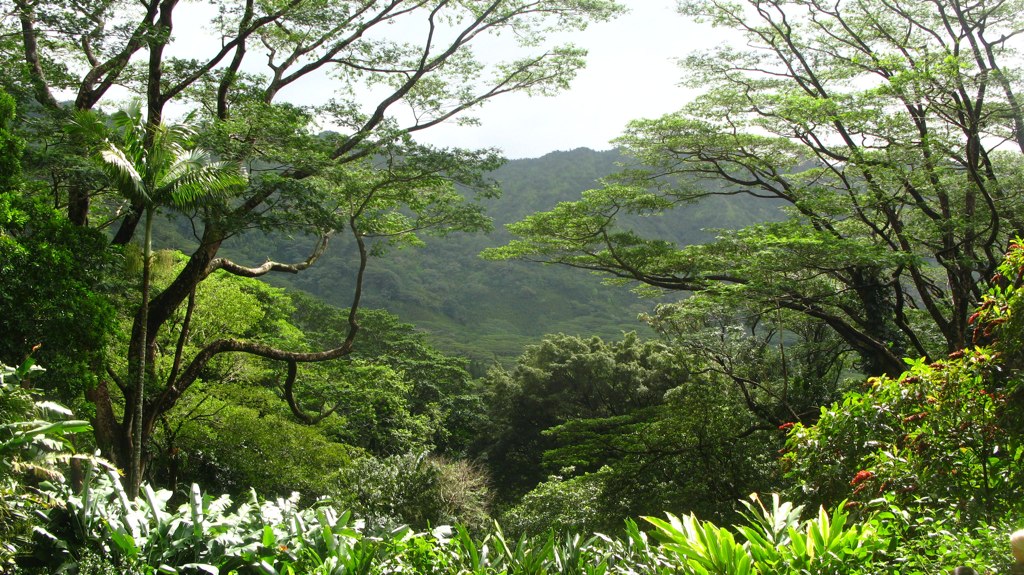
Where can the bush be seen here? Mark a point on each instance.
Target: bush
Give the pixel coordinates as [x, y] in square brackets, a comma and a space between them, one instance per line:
[944, 431]
[563, 505]
[417, 490]
[35, 448]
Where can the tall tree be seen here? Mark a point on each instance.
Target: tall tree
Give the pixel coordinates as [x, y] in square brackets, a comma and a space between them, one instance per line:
[152, 166]
[396, 67]
[886, 128]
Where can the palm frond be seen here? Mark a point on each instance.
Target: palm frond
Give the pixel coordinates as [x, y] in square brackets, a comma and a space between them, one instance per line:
[206, 182]
[123, 172]
[129, 120]
[86, 124]
[166, 171]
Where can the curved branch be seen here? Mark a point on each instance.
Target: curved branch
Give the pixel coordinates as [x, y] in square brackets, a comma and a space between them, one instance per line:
[191, 373]
[269, 266]
[289, 396]
[100, 78]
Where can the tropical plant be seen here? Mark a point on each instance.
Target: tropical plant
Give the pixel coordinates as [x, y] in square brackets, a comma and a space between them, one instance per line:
[931, 540]
[944, 431]
[778, 542]
[209, 534]
[933, 456]
[153, 167]
[35, 449]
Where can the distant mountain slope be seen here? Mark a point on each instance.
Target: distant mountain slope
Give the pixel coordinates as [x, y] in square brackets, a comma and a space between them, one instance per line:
[486, 310]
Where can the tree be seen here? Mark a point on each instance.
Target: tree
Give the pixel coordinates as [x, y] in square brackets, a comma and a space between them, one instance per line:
[886, 130]
[52, 303]
[436, 388]
[782, 364]
[619, 429]
[369, 179]
[944, 431]
[153, 168]
[565, 379]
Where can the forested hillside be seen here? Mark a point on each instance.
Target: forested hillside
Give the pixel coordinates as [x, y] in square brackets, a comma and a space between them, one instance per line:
[489, 311]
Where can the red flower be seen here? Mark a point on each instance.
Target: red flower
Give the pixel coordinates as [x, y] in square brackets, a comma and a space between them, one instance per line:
[862, 475]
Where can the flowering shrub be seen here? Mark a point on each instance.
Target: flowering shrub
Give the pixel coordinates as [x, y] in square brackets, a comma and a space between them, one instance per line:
[944, 431]
[935, 432]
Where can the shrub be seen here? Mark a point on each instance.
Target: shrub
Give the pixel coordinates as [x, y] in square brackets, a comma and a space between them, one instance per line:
[417, 490]
[35, 448]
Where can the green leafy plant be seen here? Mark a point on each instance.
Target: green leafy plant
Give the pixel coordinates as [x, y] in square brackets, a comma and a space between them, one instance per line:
[702, 547]
[777, 542]
[35, 447]
[944, 430]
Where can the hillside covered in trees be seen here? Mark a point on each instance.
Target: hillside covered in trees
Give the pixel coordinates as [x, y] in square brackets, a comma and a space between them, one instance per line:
[494, 310]
[236, 343]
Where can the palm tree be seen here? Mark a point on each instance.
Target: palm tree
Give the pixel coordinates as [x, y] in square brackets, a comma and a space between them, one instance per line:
[153, 167]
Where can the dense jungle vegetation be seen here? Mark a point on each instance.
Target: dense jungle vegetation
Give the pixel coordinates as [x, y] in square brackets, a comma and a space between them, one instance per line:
[233, 342]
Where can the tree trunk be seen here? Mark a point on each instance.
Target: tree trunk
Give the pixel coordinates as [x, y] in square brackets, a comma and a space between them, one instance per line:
[134, 475]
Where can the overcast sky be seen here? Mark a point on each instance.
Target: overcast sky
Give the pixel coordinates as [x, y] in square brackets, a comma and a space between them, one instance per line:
[631, 73]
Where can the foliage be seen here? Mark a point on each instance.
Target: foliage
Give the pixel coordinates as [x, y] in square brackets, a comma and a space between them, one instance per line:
[697, 451]
[935, 453]
[35, 447]
[933, 433]
[10, 145]
[54, 294]
[566, 378]
[396, 395]
[930, 539]
[370, 180]
[563, 505]
[418, 490]
[943, 431]
[626, 428]
[208, 534]
[879, 127]
[52, 302]
[238, 438]
[777, 542]
[781, 366]
[439, 402]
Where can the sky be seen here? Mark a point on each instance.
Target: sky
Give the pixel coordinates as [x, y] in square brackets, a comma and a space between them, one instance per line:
[631, 73]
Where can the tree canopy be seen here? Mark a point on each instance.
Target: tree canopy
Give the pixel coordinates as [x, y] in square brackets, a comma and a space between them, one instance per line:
[889, 131]
[396, 67]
